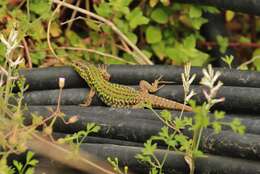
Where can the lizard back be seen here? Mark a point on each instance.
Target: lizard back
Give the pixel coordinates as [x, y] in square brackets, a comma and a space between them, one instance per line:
[111, 94]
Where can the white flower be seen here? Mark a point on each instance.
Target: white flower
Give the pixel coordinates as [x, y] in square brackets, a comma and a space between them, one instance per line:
[186, 79]
[16, 62]
[61, 82]
[191, 94]
[11, 43]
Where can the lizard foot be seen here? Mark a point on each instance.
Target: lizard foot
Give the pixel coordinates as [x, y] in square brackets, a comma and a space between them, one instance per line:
[88, 99]
[147, 87]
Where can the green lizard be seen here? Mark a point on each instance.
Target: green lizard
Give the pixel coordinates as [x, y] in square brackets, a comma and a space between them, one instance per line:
[121, 96]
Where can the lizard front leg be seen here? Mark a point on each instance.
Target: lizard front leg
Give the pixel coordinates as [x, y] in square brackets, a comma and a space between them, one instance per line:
[103, 70]
[88, 99]
[146, 87]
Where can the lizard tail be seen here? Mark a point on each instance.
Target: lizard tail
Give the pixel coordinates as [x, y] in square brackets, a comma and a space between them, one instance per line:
[159, 102]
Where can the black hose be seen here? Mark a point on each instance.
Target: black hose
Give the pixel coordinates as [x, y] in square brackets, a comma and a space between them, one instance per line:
[47, 78]
[175, 161]
[119, 124]
[237, 99]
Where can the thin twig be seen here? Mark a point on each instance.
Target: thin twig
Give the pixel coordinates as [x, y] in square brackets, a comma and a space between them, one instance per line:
[143, 59]
[96, 52]
[49, 28]
[27, 52]
[73, 15]
[248, 62]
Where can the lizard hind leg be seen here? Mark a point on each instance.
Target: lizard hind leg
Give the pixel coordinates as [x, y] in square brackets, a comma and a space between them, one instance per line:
[146, 87]
[88, 99]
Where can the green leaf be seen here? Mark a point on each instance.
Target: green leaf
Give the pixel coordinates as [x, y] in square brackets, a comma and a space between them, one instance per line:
[149, 148]
[122, 25]
[195, 12]
[179, 123]
[37, 56]
[160, 16]
[210, 9]
[153, 170]
[219, 115]
[93, 25]
[244, 39]
[164, 132]
[29, 156]
[153, 3]
[217, 127]
[176, 53]
[229, 15]
[40, 7]
[256, 53]
[197, 22]
[223, 43]
[189, 42]
[237, 126]
[120, 7]
[103, 9]
[159, 49]
[92, 127]
[166, 115]
[136, 18]
[153, 34]
[30, 170]
[18, 165]
[228, 59]
[132, 37]
[198, 153]
[147, 53]
[74, 39]
[37, 31]
[165, 2]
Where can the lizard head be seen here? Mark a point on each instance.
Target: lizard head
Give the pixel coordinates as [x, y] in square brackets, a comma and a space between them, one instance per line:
[86, 70]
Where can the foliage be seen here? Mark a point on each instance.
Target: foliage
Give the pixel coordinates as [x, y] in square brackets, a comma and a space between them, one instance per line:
[78, 138]
[164, 31]
[171, 133]
[228, 60]
[223, 43]
[28, 167]
[115, 164]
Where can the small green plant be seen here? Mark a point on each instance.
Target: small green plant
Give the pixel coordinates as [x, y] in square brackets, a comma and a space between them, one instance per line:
[12, 132]
[28, 167]
[171, 134]
[78, 138]
[228, 59]
[115, 164]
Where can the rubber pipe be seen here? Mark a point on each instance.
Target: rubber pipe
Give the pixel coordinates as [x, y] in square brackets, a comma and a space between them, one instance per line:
[139, 130]
[237, 99]
[47, 78]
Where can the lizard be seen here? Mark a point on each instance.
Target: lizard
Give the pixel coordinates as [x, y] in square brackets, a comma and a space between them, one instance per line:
[121, 96]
